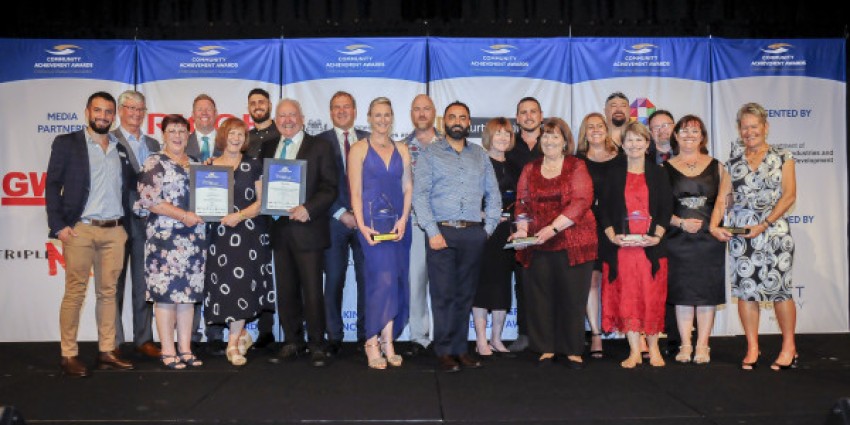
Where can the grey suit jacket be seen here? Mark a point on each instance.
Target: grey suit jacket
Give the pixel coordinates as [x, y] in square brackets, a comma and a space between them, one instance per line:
[193, 148]
[151, 143]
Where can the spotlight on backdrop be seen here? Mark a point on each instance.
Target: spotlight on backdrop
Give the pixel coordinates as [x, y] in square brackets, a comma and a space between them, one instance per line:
[840, 413]
[10, 416]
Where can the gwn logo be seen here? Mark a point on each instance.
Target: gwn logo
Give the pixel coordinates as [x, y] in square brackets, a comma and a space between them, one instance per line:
[23, 189]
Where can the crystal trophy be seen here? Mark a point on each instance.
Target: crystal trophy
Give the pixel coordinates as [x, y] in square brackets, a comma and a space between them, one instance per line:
[635, 225]
[521, 242]
[733, 209]
[383, 219]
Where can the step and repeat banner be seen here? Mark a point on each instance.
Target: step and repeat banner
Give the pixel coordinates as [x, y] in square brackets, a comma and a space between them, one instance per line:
[802, 83]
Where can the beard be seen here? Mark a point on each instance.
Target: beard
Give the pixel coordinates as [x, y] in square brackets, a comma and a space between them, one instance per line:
[99, 130]
[261, 118]
[457, 132]
[618, 122]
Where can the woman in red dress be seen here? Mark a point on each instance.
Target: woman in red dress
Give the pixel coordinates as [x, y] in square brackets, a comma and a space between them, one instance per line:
[636, 205]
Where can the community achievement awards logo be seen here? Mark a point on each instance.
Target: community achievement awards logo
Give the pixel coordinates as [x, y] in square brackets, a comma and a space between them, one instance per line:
[63, 58]
[208, 60]
[778, 56]
[354, 58]
[640, 110]
[498, 57]
[642, 56]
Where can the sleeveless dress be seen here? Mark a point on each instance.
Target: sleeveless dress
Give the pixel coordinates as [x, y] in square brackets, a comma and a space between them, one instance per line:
[695, 260]
[174, 253]
[239, 269]
[494, 284]
[386, 265]
[634, 301]
[761, 266]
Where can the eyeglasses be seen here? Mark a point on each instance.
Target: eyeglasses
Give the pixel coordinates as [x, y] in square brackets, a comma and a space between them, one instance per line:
[664, 126]
[135, 109]
[690, 130]
[176, 131]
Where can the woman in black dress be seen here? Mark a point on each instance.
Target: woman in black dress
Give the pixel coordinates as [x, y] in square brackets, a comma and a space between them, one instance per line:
[494, 285]
[695, 279]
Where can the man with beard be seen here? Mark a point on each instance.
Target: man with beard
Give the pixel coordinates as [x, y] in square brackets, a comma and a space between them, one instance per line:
[617, 115]
[529, 116]
[660, 125]
[260, 110]
[452, 178]
[89, 177]
[422, 114]
[343, 225]
[201, 145]
[131, 112]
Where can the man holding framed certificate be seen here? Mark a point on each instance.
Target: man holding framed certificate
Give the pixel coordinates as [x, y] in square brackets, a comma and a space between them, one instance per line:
[301, 234]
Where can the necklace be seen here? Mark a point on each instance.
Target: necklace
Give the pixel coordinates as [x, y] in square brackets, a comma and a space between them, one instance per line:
[692, 166]
[552, 167]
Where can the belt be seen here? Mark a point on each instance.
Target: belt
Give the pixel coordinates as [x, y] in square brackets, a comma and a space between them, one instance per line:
[459, 224]
[102, 223]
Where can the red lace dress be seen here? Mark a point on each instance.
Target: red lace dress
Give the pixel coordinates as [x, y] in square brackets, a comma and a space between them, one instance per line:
[635, 300]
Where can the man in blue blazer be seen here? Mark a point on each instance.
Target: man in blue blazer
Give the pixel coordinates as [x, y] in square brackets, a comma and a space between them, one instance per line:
[343, 225]
[87, 196]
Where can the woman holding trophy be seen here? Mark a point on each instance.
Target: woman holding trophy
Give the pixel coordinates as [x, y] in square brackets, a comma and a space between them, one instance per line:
[381, 194]
[750, 215]
[635, 210]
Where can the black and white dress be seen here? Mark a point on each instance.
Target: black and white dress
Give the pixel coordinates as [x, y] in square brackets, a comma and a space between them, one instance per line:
[239, 272]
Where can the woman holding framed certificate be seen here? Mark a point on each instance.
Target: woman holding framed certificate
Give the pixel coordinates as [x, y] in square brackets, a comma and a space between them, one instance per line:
[174, 249]
[381, 194]
[238, 284]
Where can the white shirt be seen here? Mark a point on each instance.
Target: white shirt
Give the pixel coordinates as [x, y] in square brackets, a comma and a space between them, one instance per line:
[292, 150]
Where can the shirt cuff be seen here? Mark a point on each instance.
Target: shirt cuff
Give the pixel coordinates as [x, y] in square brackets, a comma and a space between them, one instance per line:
[339, 213]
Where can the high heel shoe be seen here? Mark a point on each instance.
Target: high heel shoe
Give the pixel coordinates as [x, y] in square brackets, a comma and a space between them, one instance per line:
[375, 361]
[174, 364]
[596, 354]
[245, 342]
[751, 365]
[190, 360]
[702, 355]
[235, 356]
[684, 355]
[793, 365]
[394, 360]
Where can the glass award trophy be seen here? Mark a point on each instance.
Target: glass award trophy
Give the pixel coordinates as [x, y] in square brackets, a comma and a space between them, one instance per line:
[635, 225]
[733, 209]
[521, 242]
[383, 219]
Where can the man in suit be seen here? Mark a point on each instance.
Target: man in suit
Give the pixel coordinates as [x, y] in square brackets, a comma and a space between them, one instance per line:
[86, 193]
[201, 145]
[300, 239]
[131, 113]
[343, 227]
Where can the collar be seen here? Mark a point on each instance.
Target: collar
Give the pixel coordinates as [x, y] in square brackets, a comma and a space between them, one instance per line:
[296, 139]
[109, 137]
[127, 135]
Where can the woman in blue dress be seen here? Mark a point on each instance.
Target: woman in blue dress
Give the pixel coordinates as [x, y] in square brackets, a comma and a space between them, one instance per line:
[381, 194]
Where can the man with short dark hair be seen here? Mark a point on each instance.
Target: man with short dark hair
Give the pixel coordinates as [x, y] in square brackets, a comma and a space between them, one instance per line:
[451, 180]
[86, 193]
[260, 110]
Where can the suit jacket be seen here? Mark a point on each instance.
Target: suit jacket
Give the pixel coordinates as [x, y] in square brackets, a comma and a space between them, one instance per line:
[68, 181]
[151, 143]
[321, 191]
[193, 147]
[343, 198]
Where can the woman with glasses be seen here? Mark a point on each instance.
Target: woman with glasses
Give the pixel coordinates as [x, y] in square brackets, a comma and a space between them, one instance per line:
[695, 278]
[174, 250]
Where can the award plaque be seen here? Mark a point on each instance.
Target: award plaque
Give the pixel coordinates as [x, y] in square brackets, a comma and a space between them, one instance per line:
[383, 218]
[635, 225]
[734, 206]
[211, 191]
[521, 242]
[284, 183]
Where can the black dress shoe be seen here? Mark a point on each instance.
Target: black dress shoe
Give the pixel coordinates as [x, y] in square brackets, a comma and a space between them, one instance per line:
[415, 349]
[334, 347]
[110, 360]
[263, 340]
[289, 352]
[319, 359]
[73, 367]
[469, 361]
[448, 364]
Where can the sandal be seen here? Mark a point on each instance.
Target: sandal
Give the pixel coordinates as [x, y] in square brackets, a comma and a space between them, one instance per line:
[684, 355]
[393, 359]
[702, 356]
[174, 364]
[245, 342]
[596, 354]
[190, 360]
[631, 362]
[235, 356]
[378, 362]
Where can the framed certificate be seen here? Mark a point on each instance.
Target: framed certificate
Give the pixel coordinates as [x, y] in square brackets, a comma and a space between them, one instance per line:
[211, 191]
[284, 185]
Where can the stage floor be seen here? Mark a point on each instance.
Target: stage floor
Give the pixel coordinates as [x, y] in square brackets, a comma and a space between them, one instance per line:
[504, 391]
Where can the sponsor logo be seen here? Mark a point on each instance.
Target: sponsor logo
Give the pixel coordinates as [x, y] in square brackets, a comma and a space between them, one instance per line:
[641, 56]
[640, 110]
[315, 126]
[355, 49]
[208, 60]
[209, 50]
[354, 58]
[499, 49]
[50, 253]
[60, 122]
[778, 56]
[63, 58]
[500, 57]
[23, 188]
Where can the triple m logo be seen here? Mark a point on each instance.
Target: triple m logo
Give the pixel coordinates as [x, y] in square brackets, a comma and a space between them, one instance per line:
[23, 188]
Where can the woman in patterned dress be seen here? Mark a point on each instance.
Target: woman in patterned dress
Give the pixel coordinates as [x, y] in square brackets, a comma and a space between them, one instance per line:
[238, 282]
[174, 249]
[763, 185]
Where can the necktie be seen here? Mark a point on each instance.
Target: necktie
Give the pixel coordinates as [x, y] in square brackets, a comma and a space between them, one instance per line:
[205, 148]
[347, 146]
[665, 156]
[286, 143]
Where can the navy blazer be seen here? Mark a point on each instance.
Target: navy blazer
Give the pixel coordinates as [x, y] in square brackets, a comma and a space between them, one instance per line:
[343, 198]
[68, 181]
[321, 190]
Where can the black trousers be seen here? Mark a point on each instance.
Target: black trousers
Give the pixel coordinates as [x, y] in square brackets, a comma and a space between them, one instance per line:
[298, 282]
[556, 298]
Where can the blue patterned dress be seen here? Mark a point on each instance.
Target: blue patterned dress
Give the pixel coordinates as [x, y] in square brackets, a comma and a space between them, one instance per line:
[174, 253]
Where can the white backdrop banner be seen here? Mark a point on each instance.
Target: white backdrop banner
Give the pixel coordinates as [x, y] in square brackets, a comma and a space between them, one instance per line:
[44, 85]
[315, 69]
[802, 85]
